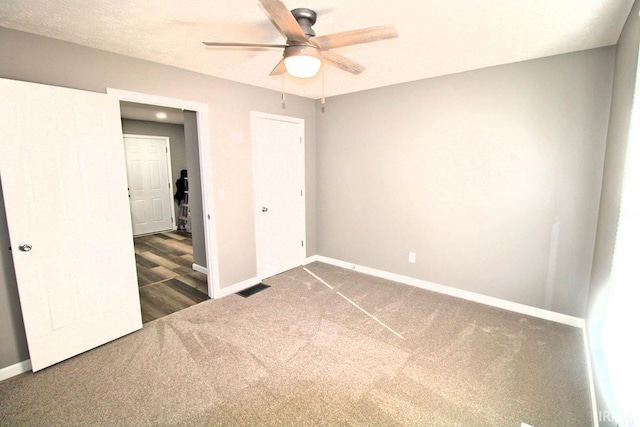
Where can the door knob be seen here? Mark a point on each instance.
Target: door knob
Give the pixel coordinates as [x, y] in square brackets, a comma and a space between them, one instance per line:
[25, 247]
[265, 209]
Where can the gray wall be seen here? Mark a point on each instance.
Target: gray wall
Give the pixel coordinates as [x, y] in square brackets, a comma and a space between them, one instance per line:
[174, 132]
[195, 188]
[491, 177]
[624, 85]
[42, 60]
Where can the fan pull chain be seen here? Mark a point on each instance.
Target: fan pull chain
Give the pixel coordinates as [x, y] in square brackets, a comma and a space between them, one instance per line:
[284, 105]
[322, 99]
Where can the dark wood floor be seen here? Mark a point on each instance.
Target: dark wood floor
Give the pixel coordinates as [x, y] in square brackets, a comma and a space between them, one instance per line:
[166, 280]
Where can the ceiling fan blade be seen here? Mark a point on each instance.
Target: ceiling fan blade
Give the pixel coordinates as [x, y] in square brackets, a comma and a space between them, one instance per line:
[363, 35]
[283, 20]
[341, 62]
[278, 69]
[222, 44]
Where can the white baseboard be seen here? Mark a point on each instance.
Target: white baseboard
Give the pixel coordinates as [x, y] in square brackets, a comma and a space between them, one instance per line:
[455, 292]
[16, 369]
[199, 268]
[238, 287]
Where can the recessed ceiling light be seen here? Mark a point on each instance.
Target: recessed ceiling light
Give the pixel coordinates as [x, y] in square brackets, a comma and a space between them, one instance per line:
[161, 115]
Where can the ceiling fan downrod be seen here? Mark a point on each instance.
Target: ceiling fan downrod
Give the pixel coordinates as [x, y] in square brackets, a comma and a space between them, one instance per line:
[306, 18]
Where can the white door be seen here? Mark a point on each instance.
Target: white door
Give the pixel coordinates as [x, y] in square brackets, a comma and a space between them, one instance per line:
[64, 181]
[278, 172]
[150, 189]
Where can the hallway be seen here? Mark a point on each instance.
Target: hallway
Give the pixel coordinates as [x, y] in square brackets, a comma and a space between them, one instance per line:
[166, 281]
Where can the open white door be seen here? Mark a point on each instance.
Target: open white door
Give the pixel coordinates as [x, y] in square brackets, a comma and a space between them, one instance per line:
[64, 181]
[150, 189]
[278, 176]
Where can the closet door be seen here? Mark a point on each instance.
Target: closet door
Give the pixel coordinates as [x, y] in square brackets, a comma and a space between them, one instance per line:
[63, 177]
[278, 176]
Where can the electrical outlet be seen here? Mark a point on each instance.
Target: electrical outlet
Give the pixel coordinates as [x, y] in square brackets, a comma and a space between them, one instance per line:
[412, 257]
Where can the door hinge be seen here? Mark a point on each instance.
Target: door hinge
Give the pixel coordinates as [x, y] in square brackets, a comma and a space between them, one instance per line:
[300, 193]
[303, 243]
[300, 140]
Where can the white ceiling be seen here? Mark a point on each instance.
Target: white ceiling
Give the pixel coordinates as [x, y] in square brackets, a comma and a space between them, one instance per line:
[437, 37]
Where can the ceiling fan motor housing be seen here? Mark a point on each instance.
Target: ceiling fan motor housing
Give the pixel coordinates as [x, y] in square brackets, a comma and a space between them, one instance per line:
[301, 50]
[306, 18]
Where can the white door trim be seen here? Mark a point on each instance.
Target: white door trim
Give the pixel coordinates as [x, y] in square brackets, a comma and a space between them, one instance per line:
[206, 172]
[169, 171]
[260, 115]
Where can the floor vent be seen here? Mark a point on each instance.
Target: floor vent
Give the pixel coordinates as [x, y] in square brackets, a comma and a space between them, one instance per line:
[253, 290]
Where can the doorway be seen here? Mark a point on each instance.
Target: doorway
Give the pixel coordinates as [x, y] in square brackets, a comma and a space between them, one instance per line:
[173, 267]
[156, 153]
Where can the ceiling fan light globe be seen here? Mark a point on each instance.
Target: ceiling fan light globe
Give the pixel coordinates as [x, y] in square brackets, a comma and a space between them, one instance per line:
[302, 66]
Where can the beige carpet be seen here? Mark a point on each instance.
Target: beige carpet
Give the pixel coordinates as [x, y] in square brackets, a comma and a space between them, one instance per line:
[299, 354]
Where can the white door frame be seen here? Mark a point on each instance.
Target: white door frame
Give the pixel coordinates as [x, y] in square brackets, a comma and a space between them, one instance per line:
[169, 171]
[206, 172]
[260, 115]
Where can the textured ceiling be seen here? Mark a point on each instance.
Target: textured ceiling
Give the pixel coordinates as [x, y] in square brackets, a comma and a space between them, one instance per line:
[437, 37]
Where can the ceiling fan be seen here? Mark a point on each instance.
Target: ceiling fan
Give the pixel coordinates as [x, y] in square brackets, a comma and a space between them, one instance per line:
[303, 51]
